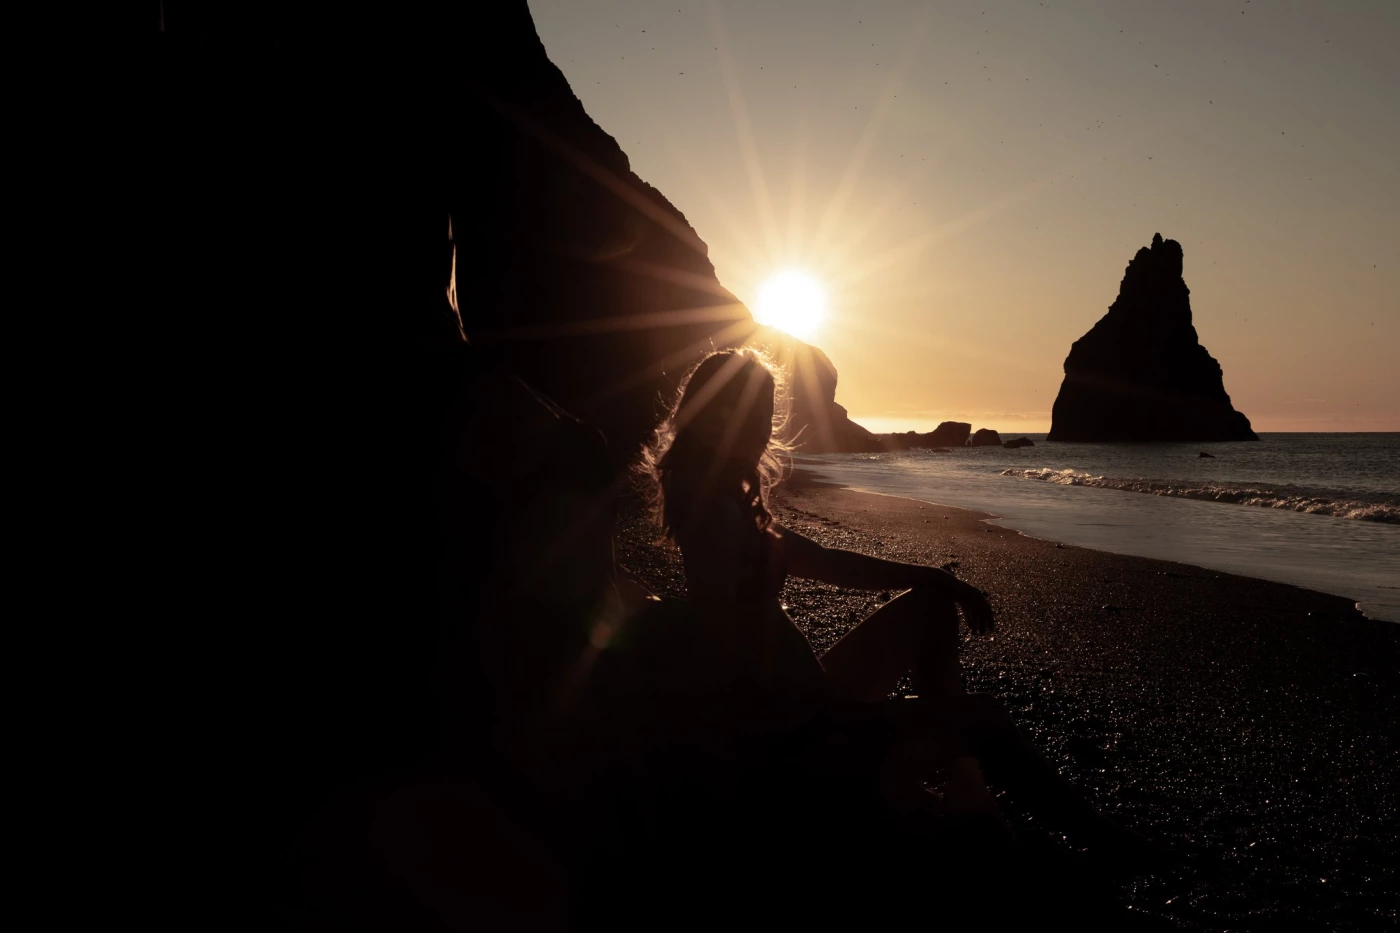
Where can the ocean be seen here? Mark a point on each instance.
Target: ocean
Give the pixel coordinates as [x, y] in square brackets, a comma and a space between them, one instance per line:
[1320, 511]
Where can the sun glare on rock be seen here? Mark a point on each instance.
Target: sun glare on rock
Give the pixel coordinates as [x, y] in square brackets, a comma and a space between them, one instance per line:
[792, 301]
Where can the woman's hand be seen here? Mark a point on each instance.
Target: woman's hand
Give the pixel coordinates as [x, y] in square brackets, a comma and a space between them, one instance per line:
[977, 612]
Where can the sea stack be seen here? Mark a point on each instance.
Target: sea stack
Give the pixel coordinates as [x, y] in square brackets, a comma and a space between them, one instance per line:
[1140, 373]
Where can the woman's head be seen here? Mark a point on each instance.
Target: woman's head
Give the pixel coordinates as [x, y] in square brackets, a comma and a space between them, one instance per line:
[718, 439]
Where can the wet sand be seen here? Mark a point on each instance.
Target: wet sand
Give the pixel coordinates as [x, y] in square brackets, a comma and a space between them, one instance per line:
[1251, 721]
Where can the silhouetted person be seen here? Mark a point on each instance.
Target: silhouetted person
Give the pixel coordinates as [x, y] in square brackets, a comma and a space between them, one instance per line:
[712, 465]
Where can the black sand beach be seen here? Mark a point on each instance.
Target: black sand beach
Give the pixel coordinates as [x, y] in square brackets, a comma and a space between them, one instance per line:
[1253, 723]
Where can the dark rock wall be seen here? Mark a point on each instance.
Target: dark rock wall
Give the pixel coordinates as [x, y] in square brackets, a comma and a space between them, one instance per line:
[1141, 374]
[582, 277]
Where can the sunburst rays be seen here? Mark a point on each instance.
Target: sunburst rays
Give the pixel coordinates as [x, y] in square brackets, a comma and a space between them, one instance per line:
[834, 237]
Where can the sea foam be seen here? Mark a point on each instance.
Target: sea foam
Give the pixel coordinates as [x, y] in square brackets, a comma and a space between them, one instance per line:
[1313, 502]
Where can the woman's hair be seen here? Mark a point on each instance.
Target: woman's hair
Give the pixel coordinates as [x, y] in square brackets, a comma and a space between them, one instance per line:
[718, 439]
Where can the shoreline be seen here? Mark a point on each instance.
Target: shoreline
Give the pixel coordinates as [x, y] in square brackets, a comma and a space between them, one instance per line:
[1201, 543]
[1250, 719]
[807, 482]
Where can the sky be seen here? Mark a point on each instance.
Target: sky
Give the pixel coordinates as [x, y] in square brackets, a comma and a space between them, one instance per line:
[968, 180]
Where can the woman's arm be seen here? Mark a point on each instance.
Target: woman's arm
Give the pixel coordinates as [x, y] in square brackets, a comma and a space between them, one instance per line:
[807, 558]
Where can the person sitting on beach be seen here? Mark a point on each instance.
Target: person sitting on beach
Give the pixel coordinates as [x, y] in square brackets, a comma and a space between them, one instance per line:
[710, 469]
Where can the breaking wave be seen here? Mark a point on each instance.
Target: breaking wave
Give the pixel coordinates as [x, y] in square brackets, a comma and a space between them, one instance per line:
[1313, 502]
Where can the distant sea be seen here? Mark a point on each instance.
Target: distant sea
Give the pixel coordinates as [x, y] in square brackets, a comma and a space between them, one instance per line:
[1317, 510]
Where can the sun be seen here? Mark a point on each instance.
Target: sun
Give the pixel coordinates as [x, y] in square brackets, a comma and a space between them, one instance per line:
[792, 301]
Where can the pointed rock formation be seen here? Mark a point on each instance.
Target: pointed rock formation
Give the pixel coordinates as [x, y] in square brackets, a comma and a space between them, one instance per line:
[1141, 374]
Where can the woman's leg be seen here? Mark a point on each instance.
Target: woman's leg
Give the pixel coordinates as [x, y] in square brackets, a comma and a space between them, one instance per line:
[916, 631]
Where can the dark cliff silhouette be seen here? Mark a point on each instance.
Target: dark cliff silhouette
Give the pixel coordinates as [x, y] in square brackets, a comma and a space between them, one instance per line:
[367, 487]
[575, 273]
[1141, 374]
[584, 279]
